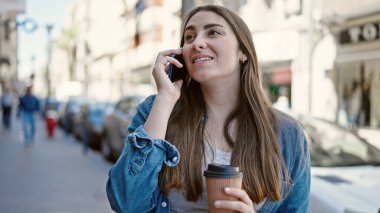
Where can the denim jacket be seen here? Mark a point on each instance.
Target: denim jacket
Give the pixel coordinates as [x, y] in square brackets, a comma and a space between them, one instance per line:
[133, 180]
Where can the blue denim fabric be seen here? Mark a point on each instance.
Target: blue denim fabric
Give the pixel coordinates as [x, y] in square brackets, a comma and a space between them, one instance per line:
[29, 103]
[133, 180]
[28, 126]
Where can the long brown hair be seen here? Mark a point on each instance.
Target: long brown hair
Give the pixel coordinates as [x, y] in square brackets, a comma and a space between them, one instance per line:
[255, 149]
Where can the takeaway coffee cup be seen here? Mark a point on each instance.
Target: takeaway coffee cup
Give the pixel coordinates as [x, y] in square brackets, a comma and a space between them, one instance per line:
[217, 178]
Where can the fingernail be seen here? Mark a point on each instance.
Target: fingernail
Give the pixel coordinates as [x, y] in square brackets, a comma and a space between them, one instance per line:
[227, 189]
[217, 204]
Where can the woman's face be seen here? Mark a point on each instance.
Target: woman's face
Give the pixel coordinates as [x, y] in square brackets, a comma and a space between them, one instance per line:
[210, 49]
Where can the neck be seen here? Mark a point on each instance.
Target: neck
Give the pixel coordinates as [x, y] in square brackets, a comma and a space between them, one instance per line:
[221, 97]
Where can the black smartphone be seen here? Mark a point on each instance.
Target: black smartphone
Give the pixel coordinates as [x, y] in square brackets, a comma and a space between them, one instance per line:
[176, 73]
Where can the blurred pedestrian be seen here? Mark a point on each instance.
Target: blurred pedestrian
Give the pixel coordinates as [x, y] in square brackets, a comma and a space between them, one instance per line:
[7, 102]
[355, 103]
[366, 103]
[29, 106]
[219, 113]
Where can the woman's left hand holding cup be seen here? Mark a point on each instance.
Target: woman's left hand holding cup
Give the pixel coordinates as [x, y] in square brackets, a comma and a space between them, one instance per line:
[243, 203]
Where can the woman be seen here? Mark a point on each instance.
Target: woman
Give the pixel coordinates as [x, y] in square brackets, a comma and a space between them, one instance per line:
[219, 114]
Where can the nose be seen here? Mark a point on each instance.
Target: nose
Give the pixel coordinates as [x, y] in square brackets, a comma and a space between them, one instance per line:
[199, 43]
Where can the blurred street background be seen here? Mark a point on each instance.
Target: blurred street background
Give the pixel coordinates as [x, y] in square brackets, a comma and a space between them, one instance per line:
[52, 175]
[89, 64]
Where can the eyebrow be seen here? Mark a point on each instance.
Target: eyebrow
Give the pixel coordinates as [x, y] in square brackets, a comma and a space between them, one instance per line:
[207, 26]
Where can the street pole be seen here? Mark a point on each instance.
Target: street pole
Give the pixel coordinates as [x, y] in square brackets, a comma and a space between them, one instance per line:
[32, 64]
[49, 28]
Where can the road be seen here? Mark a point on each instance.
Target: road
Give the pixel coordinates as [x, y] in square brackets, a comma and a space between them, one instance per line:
[51, 175]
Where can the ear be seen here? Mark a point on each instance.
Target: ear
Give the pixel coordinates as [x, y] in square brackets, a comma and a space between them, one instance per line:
[242, 57]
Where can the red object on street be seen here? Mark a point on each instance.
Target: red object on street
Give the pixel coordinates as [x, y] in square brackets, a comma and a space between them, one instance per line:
[51, 122]
[50, 125]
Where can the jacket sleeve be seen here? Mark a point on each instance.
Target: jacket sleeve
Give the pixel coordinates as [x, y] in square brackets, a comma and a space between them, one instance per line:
[133, 181]
[297, 198]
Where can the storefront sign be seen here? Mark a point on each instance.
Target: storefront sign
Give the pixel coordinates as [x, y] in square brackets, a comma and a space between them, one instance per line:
[362, 33]
[281, 76]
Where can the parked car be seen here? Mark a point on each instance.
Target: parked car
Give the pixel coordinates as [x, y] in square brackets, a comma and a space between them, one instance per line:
[116, 126]
[80, 117]
[345, 169]
[71, 107]
[92, 115]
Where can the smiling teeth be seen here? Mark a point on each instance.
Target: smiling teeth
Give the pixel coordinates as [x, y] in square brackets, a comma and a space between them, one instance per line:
[202, 59]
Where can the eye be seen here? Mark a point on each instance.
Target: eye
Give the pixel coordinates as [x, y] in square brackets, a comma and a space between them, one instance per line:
[214, 32]
[189, 37]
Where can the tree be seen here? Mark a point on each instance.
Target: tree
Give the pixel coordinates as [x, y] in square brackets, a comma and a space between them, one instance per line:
[67, 41]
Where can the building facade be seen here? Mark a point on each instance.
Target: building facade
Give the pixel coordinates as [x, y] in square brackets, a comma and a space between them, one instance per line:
[114, 45]
[8, 40]
[313, 52]
[324, 54]
[356, 30]
[154, 26]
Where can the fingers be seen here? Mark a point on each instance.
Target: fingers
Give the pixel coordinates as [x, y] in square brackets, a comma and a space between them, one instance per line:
[160, 69]
[166, 57]
[171, 52]
[233, 205]
[174, 61]
[243, 204]
[240, 194]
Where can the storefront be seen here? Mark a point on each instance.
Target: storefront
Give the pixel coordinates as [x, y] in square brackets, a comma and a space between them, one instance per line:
[357, 71]
[276, 51]
[277, 80]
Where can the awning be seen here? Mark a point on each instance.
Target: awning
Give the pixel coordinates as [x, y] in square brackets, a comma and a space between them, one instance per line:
[281, 76]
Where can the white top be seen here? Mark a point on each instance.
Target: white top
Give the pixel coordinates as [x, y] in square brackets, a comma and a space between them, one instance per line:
[178, 203]
[7, 99]
[52, 114]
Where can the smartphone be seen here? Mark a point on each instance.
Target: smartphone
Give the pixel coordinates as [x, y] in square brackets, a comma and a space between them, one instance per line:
[176, 73]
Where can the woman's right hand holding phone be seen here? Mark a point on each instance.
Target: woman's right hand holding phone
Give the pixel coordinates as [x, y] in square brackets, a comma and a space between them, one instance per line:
[168, 94]
[164, 85]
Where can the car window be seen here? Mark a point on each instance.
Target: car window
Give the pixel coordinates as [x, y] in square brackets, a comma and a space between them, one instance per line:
[331, 145]
[128, 105]
[122, 106]
[96, 112]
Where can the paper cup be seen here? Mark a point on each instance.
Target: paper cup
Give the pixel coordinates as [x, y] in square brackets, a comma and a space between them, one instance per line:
[217, 178]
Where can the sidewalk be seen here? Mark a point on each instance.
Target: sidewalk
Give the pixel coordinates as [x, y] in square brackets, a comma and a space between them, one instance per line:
[50, 176]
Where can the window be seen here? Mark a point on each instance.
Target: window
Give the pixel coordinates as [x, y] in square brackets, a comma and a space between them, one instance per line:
[292, 8]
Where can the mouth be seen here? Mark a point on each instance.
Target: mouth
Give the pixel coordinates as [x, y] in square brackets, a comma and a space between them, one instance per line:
[202, 59]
